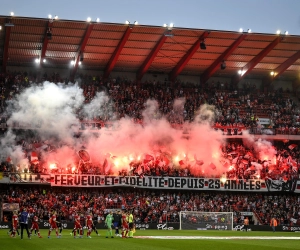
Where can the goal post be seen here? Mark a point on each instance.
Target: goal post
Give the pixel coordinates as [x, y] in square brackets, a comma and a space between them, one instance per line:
[196, 220]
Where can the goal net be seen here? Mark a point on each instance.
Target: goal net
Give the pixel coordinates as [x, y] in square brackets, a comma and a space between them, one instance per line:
[195, 220]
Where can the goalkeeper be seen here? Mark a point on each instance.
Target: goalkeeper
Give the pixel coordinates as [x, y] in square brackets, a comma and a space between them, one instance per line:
[108, 223]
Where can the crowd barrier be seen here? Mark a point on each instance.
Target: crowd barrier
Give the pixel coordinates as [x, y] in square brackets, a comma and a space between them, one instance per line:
[96, 126]
[157, 182]
[170, 226]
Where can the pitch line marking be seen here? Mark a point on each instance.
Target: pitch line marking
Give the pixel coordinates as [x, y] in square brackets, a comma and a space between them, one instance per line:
[218, 237]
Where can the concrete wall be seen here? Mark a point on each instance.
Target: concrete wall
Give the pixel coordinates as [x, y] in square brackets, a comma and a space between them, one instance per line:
[282, 84]
[256, 82]
[131, 76]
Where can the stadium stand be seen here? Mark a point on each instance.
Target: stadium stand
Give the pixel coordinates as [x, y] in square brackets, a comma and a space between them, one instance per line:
[237, 109]
[149, 206]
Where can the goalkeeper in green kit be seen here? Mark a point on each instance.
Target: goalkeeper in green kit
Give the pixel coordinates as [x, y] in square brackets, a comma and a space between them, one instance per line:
[108, 222]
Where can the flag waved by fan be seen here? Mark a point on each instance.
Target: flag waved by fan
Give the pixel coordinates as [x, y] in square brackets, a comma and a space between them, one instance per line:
[34, 158]
[292, 146]
[84, 155]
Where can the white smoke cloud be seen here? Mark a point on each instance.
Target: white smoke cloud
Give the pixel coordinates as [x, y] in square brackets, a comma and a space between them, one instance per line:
[10, 149]
[49, 108]
[205, 114]
[100, 107]
[151, 111]
[263, 148]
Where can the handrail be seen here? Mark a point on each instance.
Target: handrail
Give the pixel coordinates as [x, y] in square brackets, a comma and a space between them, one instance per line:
[257, 216]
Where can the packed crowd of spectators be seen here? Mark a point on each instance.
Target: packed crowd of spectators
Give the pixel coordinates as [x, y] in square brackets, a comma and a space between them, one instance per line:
[235, 109]
[238, 107]
[152, 206]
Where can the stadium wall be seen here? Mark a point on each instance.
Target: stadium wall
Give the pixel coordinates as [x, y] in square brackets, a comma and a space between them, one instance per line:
[256, 82]
[170, 226]
[285, 85]
[150, 77]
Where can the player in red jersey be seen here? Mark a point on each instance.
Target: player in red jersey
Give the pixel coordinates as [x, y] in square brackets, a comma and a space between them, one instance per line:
[77, 226]
[35, 226]
[89, 225]
[15, 221]
[53, 225]
[125, 226]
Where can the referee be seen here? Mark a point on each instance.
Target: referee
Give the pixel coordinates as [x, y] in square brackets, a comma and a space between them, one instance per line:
[24, 222]
[130, 221]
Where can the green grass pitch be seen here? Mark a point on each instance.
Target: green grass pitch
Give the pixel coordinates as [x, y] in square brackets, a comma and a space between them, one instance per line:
[100, 242]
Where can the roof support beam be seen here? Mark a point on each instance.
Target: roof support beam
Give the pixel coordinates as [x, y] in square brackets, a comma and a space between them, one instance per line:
[46, 40]
[6, 45]
[114, 58]
[216, 64]
[250, 65]
[184, 60]
[82, 48]
[285, 65]
[146, 64]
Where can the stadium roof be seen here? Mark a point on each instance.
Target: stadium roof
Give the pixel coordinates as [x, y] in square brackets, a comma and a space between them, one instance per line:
[137, 48]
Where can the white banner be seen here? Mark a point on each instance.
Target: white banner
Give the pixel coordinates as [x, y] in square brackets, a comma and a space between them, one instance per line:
[188, 183]
[264, 120]
[247, 213]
